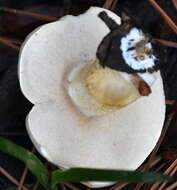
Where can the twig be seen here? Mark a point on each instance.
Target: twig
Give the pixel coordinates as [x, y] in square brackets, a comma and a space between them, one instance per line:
[107, 4]
[175, 3]
[170, 174]
[30, 14]
[160, 167]
[170, 102]
[12, 40]
[166, 43]
[11, 178]
[174, 171]
[71, 186]
[170, 155]
[25, 172]
[119, 186]
[8, 43]
[36, 185]
[138, 187]
[153, 163]
[168, 171]
[63, 186]
[114, 5]
[156, 170]
[172, 187]
[169, 21]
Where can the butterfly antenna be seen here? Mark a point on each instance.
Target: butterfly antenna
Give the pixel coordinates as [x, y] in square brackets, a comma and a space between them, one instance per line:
[112, 25]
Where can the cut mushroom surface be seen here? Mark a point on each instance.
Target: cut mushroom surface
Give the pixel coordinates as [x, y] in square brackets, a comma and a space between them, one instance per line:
[103, 142]
[62, 129]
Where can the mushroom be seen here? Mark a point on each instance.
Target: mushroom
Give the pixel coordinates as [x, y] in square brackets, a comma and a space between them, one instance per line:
[71, 123]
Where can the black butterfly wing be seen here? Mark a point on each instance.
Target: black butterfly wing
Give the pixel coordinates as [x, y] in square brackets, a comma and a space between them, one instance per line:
[110, 54]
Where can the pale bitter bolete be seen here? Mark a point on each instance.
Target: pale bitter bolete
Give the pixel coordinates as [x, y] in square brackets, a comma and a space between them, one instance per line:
[85, 113]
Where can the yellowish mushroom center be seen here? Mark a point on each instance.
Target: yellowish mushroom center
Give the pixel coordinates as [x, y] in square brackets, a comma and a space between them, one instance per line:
[109, 87]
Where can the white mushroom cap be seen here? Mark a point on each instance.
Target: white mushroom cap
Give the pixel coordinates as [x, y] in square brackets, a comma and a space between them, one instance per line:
[119, 140]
